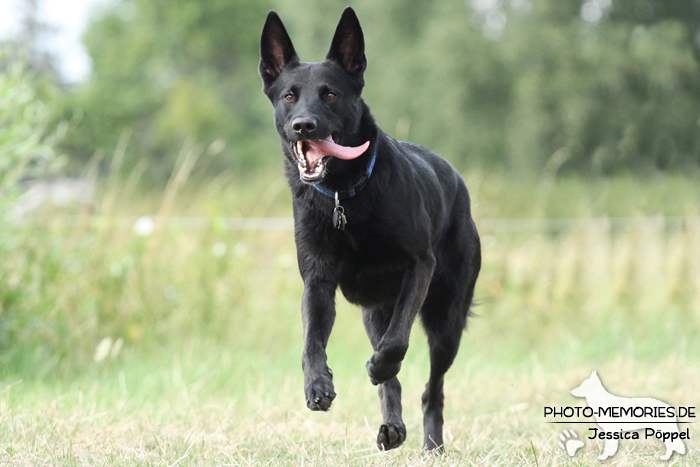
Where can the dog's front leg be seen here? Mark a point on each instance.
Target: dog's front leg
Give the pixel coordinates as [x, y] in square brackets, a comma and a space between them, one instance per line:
[318, 315]
[386, 361]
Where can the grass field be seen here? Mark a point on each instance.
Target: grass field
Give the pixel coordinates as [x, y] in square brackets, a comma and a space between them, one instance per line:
[182, 347]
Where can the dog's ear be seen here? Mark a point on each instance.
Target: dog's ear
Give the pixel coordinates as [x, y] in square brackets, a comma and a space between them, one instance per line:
[348, 46]
[276, 49]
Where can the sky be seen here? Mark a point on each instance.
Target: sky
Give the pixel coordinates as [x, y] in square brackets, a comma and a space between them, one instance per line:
[69, 17]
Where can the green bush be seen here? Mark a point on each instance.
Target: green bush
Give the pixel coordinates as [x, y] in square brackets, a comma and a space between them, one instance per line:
[25, 144]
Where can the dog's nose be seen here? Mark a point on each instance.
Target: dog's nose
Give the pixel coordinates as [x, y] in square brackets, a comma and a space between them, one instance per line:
[304, 126]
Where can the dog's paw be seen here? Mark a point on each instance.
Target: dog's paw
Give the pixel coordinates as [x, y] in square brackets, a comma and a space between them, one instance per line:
[380, 372]
[390, 436]
[319, 392]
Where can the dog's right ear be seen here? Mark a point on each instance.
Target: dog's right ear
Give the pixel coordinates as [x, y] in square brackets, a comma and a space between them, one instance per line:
[276, 49]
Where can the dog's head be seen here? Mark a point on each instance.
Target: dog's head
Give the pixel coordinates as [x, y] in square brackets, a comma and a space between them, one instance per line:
[317, 106]
[588, 386]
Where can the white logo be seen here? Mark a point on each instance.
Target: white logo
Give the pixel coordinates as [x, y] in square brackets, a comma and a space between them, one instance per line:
[621, 417]
[568, 441]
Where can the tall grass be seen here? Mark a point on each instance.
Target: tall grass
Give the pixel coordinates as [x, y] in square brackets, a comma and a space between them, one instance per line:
[69, 283]
[182, 346]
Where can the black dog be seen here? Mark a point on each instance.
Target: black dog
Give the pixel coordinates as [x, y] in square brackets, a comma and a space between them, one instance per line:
[389, 222]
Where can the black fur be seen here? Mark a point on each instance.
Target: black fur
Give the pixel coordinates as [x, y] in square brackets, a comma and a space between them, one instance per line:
[410, 245]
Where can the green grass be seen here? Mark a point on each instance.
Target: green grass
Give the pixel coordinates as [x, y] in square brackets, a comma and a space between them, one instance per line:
[230, 412]
[207, 370]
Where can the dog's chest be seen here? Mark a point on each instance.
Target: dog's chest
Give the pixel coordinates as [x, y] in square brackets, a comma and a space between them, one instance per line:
[370, 272]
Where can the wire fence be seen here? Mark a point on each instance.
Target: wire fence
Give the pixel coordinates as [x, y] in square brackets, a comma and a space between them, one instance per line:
[484, 225]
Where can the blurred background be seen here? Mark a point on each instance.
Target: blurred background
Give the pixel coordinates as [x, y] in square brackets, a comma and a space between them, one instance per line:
[146, 244]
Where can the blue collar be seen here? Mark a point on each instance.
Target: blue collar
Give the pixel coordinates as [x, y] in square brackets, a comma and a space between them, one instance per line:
[353, 190]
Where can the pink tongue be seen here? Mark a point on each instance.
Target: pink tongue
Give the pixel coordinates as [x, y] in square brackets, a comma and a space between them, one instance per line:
[326, 147]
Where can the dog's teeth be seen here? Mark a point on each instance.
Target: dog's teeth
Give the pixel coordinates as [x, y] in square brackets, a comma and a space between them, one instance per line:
[300, 154]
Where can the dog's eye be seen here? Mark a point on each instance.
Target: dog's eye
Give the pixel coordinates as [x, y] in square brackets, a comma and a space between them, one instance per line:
[289, 97]
[330, 96]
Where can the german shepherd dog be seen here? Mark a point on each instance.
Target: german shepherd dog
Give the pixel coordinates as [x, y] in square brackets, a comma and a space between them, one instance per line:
[387, 221]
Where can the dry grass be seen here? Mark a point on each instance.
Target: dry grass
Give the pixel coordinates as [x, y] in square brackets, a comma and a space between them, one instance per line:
[209, 372]
[494, 416]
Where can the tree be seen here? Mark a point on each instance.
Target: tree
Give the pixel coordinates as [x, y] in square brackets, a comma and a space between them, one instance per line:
[649, 12]
[495, 83]
[169, 71]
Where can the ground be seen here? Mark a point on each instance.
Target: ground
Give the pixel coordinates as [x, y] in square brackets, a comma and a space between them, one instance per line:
[183, 346]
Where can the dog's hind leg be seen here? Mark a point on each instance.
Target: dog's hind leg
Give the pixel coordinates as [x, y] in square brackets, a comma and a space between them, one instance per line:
[444, 344]
[393, 432]
[444, 317]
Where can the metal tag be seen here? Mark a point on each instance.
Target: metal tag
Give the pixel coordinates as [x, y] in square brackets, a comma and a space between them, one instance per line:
[339, 219]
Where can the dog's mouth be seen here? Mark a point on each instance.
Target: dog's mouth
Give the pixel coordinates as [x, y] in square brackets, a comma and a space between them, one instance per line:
[312, 156]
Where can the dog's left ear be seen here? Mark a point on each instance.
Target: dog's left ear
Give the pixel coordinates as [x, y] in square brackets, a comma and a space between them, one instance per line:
[348, 46]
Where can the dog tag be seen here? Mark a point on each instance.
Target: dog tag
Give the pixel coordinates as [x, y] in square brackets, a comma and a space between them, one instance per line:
[339, 219]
